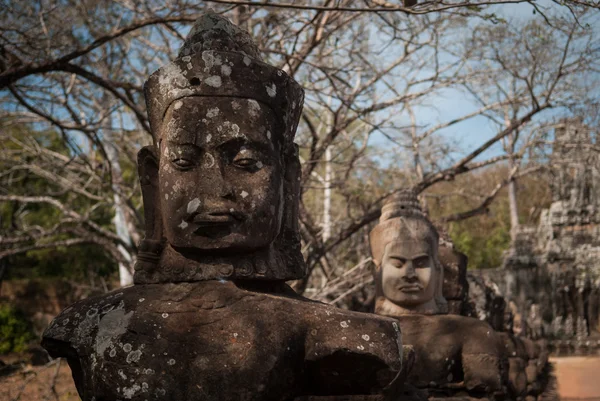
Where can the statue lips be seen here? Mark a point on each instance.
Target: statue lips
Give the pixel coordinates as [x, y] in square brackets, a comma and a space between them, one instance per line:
[215, 224]
[410, 288]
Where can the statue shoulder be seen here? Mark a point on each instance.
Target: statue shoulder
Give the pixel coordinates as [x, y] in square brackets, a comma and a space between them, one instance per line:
[365, 349]
[75, 327]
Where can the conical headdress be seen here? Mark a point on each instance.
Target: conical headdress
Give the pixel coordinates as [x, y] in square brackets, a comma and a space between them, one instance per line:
[220, 59]
[393, 223]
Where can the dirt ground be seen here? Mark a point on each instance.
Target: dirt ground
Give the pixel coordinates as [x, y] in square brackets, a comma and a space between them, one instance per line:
[578, 380]
[578, 377]
[51, 382]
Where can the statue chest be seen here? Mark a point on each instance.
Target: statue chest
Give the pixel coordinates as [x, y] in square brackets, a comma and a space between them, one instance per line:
[201, 355]
[184, 342]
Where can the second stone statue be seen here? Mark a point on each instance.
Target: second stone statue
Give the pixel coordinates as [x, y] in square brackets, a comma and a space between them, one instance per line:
[455, 356]
[210, 316]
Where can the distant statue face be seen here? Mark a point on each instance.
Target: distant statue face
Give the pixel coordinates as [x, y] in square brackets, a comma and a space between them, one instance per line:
[408, 273]
[220, 174]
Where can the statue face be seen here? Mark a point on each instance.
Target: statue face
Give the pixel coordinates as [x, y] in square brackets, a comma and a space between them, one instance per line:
[408, 276]
[220, 174]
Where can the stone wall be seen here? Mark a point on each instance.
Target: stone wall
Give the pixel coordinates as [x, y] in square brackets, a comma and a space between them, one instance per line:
[551, 275]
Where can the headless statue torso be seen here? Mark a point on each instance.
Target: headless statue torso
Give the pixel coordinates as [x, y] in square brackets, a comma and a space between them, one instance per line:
[454, 354]
[209, 316]
[214, 340]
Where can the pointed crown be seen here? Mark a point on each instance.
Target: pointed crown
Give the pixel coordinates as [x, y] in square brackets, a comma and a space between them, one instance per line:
[395, 222]
[220, 59]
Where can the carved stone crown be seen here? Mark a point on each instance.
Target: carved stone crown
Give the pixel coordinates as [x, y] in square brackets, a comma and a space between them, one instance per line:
[220, 59]
[402, 206]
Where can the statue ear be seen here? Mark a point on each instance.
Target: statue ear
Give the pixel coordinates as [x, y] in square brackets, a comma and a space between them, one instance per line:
[148, 171]
[151, 246]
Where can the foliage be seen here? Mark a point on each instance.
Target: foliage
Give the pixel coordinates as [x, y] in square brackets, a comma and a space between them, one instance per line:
[20, 144]
[15, 330]
[484, 237]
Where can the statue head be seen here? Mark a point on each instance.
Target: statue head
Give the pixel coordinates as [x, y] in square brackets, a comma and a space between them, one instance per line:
[408, 273]
[221, 181]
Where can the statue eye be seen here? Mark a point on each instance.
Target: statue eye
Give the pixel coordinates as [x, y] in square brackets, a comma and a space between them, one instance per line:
[421, 262]
[183, 164]
[245, 162]
[397, 262]
[248, 160]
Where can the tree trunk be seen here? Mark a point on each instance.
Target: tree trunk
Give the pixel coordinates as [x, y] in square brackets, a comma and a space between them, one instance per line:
[327, 196]
[514, 208]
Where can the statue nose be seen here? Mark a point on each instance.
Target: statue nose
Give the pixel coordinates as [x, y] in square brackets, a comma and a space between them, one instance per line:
[215, 182]
[410, 274]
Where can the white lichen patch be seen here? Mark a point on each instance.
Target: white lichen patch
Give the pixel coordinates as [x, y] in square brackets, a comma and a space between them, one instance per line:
[209, 160]
[366, 337]
[129, 392]
[141, 299]
[165, 315]
[253, 107]
[244, 194]
[235, 105]
[171, 362]
[360, 347]
[211, 113]
[343, 324]
[268, 134]
[225, 70]
[208, 59]
[208, 138]
[259, 164]
[271, 90]
[134, 356]
[177, 105]
[111, 326]
[122, 375]
[193, 205]
[235, 129]
[214, 81]
[247, 60]
[166, 196]
[127, 347]
[183, 225]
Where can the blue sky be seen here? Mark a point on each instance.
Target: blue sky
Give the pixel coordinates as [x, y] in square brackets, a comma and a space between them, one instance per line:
[452, 104]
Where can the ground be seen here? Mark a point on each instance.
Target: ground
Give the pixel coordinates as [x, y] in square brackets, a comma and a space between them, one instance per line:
[578, 380]
[51, 382]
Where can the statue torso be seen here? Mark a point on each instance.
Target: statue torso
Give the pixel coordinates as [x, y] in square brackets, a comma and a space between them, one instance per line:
[215, 341]
[453, 349]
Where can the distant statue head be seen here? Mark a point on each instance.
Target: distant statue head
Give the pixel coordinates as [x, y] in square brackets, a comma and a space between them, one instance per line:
[221, 181]
[404, 245]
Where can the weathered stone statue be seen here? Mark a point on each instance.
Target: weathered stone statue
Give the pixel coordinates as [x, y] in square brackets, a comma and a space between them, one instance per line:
[210, 316]
[454, 355]
[529, 373]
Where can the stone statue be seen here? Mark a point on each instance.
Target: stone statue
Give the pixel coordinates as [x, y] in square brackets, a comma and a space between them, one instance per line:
[210, 316]
[454, 355]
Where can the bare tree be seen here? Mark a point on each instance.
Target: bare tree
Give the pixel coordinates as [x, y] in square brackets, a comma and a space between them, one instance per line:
[362, 68]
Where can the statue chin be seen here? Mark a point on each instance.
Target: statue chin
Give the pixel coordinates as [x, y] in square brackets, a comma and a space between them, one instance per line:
[393, 308]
